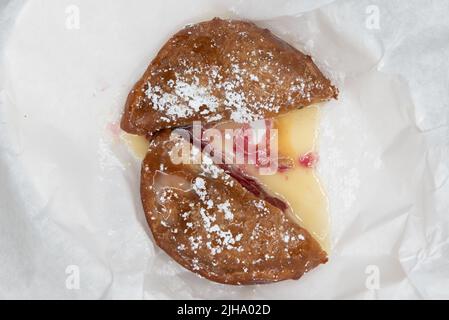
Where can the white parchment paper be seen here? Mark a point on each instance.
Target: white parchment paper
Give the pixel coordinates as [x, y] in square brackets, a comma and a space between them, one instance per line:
[69, 200]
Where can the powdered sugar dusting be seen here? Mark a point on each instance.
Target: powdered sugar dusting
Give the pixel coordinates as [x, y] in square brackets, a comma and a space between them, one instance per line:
[186, 100]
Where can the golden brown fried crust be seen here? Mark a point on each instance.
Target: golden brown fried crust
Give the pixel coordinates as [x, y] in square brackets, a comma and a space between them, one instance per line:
[222, 70]
[211, 225]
